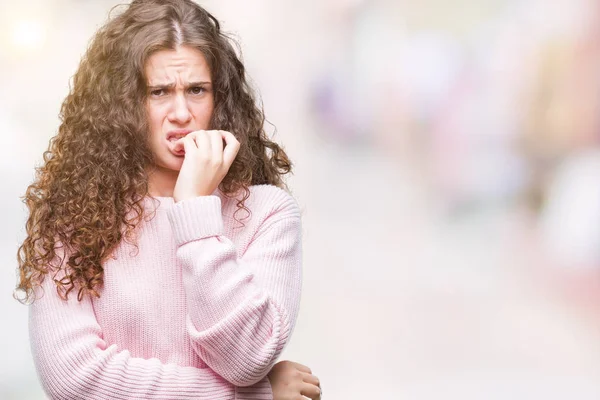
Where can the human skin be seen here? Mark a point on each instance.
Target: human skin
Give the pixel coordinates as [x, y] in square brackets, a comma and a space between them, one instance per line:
[180, 104]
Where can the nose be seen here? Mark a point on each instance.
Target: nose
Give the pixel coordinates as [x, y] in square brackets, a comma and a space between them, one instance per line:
[180, 112]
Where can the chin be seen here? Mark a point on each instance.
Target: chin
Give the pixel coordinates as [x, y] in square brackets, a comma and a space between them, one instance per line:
[171, 162]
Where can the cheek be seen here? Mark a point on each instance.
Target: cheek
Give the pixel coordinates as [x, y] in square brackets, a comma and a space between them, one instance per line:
[203, 114]
[155, 118]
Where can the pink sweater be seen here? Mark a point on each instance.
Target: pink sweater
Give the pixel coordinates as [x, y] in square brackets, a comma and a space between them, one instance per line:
[202, 311]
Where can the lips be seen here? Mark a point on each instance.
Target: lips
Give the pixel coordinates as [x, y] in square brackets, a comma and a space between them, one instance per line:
[173, 141]
[177, 134]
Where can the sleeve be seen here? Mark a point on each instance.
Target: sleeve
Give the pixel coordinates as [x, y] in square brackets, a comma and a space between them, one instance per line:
[73, 361]
[241, 311]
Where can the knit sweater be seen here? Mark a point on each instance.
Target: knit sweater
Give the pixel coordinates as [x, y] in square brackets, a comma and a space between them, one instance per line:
[200, 310]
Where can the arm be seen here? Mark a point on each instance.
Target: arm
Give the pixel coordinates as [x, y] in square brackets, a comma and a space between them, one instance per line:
[241, 310]
[73, 362]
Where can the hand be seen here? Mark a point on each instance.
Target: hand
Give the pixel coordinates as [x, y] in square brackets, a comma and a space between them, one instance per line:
[205, 164]
[291, 381]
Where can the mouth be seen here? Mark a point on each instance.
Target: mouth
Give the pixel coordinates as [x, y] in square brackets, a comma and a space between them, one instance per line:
[173, 139]
[175, 135]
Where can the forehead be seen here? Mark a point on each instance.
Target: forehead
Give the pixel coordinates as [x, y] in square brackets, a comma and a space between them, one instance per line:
[183, 63]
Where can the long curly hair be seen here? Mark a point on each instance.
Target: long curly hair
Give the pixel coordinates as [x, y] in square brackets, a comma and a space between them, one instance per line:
[88, 193]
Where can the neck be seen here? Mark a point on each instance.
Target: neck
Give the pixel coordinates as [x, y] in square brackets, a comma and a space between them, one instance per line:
[161, 181]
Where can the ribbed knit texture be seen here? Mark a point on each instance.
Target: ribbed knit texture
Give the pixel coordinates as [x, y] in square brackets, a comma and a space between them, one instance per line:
[201, 310]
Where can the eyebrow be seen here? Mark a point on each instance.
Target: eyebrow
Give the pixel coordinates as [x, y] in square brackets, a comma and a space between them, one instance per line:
[172, 85]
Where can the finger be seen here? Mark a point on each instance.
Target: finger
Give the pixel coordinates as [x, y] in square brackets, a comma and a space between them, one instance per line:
[312, 379]
[301, 367]
[203, 143]
[179, 143]
[216, 143]
[232, 146]
[310, 391]
[188, 144]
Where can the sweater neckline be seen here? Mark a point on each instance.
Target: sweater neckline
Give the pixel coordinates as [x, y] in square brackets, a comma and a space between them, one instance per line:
[171, 200]
[162, 200]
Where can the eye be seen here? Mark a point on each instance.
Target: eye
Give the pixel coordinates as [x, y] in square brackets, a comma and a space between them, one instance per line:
[197, 90]
[157, 92]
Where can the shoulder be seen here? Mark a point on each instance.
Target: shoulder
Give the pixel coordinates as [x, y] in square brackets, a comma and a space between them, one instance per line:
[264, 201]
[271, 198]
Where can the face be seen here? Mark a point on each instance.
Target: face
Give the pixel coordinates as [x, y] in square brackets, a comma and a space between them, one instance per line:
[179, 100]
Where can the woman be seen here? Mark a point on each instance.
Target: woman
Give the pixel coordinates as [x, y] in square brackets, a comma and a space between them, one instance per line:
[144, 281]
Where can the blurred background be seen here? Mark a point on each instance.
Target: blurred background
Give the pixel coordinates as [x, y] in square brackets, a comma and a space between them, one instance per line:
[447, 162]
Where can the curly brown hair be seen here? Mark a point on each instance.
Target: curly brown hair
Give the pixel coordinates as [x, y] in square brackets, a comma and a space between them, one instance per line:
[88, 194]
